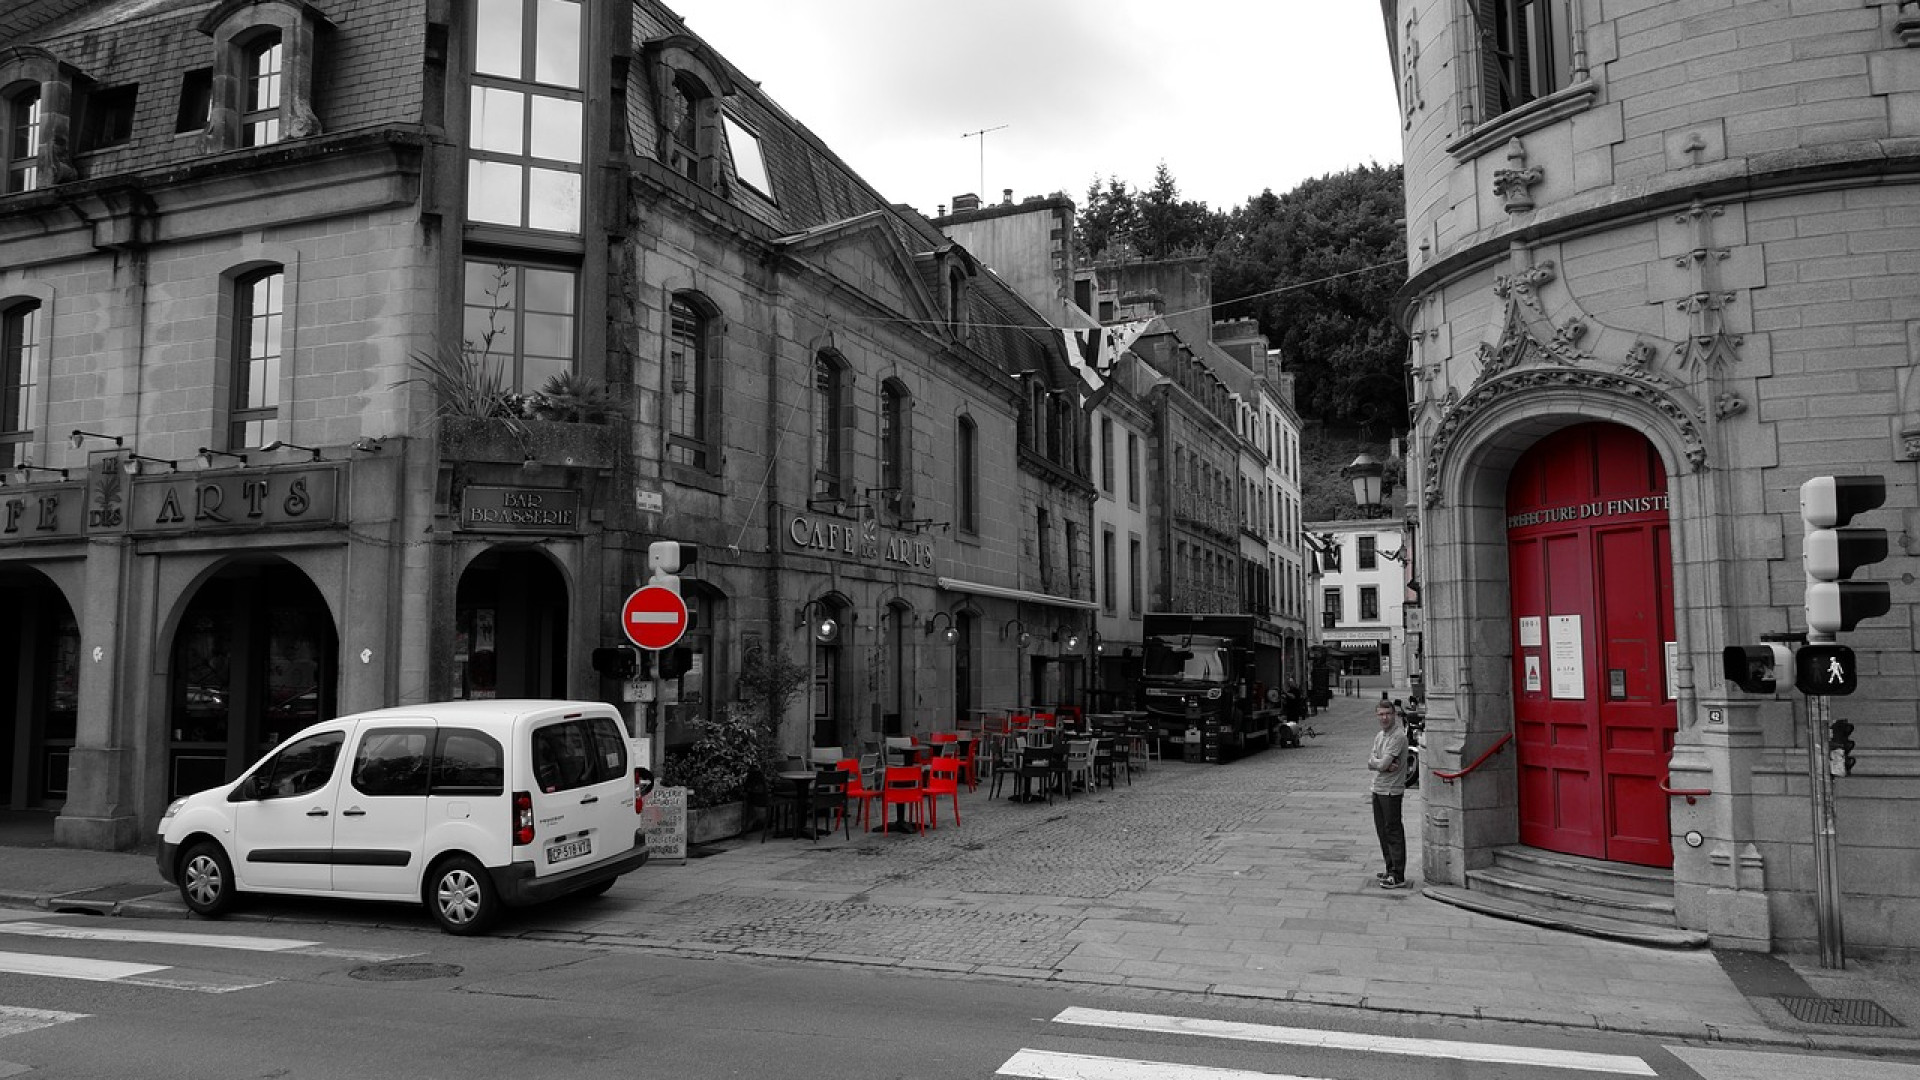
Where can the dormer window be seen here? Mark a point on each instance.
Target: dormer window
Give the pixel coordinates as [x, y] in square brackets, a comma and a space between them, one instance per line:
[261, 91]
[688, 80]
[749, 165]
[22, 145]
[260, 115]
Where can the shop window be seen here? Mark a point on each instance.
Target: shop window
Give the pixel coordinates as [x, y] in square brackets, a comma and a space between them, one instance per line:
[896, 442]
[521, 320]
[109, 119]
[829, 419]
[966, 469]
[526, 116]
[260, 66]
[749, 165]
[1369, 602]
[22, 139]
[690, 344]
[258, 324]
[19, 367]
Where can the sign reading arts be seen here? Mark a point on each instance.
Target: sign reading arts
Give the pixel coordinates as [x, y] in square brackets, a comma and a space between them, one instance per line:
[175, 503]
[861, 540]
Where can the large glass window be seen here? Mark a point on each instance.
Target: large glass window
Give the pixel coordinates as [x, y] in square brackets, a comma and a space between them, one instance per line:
[687, 383]
[258, 318]
[522, 319]
[260, 114]
[22, 139]
[19, 362]
[526, 119]
[828, 386]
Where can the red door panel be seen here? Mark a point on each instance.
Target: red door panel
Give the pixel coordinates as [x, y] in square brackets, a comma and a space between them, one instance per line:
[1588, 537]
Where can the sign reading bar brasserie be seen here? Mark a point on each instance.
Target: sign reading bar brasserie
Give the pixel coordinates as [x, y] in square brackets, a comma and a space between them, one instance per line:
[514, 509]
[859, 539]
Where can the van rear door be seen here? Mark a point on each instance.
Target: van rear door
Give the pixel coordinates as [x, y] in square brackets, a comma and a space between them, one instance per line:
[582, 789]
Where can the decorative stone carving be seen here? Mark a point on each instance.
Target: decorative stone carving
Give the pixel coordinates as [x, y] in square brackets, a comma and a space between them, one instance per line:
[1710, 348]
[1907, 23]
[1728, 404]
[1514, 185]
[1641, 356]
[1410, 98]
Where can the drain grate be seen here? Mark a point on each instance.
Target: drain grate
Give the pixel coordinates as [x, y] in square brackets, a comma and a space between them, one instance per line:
[1846, 1012]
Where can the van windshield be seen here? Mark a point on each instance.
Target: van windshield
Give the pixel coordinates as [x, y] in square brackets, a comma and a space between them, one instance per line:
[1193, 659]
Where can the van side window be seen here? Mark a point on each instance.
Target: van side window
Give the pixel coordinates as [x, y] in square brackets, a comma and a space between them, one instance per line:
[610, 746]
[467, 762]
[392, 761]
[304, 766]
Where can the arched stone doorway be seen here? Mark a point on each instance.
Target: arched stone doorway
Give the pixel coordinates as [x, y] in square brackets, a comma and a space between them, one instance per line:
[39, 689]
[510, 627]
[254, 659]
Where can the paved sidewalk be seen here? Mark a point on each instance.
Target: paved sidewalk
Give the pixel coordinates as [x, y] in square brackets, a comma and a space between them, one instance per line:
[1251, 881]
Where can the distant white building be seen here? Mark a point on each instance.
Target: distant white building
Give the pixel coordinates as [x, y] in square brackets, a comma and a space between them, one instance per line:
[1361, 591]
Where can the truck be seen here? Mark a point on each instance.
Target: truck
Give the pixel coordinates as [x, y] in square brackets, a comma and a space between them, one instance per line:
[1210, 674]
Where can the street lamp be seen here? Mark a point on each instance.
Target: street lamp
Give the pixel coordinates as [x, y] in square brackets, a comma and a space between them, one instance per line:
[825, 627]
[949, 632]
[79, 438]
[1367, 477]
[207, 455]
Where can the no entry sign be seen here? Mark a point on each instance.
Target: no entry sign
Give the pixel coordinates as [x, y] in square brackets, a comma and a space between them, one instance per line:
[654, 617]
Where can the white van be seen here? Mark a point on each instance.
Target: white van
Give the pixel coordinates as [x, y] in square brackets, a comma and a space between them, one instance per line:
[465, 806]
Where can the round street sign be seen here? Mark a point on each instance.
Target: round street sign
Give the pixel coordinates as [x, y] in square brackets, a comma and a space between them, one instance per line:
[654, 617]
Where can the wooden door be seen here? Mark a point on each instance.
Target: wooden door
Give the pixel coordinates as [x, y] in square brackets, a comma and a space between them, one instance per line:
[1591, 578]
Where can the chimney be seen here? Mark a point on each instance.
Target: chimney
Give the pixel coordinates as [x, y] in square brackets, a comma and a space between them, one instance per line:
[964, 203]
[1006, 196]
[943, 211]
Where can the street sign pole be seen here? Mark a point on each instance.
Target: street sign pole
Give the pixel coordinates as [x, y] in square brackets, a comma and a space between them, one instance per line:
[1826, 854]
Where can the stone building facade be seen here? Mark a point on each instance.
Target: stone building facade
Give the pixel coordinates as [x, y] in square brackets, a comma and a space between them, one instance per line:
[1663, 264]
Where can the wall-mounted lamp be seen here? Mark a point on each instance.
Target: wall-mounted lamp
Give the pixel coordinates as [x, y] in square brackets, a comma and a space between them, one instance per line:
[207, 455]
[131, 466]
[1021, 641]
[949, 633]
[79, 438]
[530, 464]
[26, 469]
[365, 445]
[1099, 646]
[1026, 373]
[1370, 486]
[920, 525]
[832, 503]
[1070, 639]
[826, 629]
[282, 444]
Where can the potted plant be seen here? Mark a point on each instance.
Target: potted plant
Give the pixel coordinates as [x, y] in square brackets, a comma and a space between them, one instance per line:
[728, 767]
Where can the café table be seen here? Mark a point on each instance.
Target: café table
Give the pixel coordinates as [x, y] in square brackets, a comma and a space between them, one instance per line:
[802, 781]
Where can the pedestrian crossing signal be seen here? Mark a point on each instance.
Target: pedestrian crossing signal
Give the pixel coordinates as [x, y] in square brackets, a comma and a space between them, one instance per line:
[1825, 671]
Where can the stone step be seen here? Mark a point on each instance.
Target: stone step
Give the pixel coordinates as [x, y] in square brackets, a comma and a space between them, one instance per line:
[1572, 896]
[1625, 877]
[1577, 922]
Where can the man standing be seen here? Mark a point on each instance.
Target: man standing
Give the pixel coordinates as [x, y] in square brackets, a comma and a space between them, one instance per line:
[1386, 761]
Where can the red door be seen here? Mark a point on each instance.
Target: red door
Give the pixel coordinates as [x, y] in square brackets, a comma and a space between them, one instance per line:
[1592, 591]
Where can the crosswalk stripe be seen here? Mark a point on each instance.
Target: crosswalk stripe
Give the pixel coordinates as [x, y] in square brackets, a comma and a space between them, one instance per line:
[1717, 1064]
[1345, 1040]
[18, 1021]
[73, 967]
[154, 937]
[1048, 1065]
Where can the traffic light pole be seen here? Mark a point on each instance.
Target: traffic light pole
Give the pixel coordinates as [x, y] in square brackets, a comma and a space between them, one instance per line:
[1826, 849]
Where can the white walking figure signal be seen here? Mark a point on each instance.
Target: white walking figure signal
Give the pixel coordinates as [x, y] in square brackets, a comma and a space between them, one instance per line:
[1836, 675]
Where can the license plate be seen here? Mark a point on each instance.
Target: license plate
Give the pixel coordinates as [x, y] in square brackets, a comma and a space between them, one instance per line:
[572, 849]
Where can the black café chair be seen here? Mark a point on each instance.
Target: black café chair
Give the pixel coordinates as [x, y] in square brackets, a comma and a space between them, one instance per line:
[829, 801]
[1042, 765]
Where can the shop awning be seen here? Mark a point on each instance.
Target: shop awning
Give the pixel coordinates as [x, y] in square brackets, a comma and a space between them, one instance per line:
[981, 588]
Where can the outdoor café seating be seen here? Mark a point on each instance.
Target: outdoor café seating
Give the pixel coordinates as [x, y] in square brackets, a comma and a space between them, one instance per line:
[828, 801]
[857, 788]
[903, 791]
[943, 778]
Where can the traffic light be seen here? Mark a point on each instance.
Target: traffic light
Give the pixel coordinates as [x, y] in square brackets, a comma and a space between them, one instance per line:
[1834, 551]
[1840, 748]
[1825, 670]
[1755, 668]
[617, 662]
[675, 662]
[666, 559]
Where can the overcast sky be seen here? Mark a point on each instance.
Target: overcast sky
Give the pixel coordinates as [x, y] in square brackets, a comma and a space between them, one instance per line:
[1234, 95]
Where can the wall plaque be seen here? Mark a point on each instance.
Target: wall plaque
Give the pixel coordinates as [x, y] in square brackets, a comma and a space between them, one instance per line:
[519, 509]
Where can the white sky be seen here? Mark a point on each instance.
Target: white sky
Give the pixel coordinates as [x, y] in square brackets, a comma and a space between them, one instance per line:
[1234, 95]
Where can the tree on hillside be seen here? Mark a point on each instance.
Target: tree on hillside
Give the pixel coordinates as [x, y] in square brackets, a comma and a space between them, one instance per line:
[1318, 267]
[1156, 223]
[1106, 217]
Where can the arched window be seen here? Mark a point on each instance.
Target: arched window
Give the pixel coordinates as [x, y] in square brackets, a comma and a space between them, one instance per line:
[260, 111]
[687, 381]
[19, 363]
[259, 303]
[829, 443]
[688, 104]
[22, 135]
[896, 440]
[966, 473]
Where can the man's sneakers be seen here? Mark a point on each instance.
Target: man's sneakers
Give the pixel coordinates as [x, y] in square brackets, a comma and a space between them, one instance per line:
[1382, 876]
[1387, 881]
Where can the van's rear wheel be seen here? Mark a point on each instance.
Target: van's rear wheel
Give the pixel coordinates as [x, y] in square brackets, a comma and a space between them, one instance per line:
[461, 897]
[206, 880]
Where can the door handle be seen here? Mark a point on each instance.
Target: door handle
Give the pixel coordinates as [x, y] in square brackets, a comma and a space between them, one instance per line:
[316, 812]
[353, 812]
[590, 799]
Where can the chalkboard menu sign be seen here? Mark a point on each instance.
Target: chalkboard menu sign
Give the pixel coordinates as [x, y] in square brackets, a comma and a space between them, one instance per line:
[665, 820]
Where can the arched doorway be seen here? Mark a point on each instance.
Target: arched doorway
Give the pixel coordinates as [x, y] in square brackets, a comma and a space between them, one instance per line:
[255, 660]
[510, 627]
[1591, 576]
[39, 690]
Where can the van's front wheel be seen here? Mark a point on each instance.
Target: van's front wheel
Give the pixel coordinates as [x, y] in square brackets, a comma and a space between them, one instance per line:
[206, 880]
[461, 897]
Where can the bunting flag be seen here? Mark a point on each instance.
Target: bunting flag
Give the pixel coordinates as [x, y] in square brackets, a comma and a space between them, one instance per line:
[1094, 351]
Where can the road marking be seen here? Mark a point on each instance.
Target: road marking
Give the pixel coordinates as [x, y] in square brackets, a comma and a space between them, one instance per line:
[154, 937]
[73, 967]
[1047, 1065]
[1757, 1065]
[17, 1021]
[1347, 1040]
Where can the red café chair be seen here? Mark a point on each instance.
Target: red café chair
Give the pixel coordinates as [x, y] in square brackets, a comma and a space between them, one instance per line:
[857, 787]
[900, 786]
[945, 743]
[970, 762]
[943, 778]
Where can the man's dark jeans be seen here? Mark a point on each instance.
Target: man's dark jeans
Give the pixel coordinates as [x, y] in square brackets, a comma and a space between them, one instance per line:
[1392, 832]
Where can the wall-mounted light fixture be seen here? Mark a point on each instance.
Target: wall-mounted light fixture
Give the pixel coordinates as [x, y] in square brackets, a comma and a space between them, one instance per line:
[366, 445]
[207, 455]
[1370, 487]
[1069, 639]
[1099, 646]
[131, 465]
[826, 629]
[26, 469]
[830, 503]
[1021, 640]
[1026, 373]
[282, 444]
[79, 438]
[920, 525]
[947, 634]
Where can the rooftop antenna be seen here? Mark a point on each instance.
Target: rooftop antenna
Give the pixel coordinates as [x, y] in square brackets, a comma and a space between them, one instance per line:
[982, 136]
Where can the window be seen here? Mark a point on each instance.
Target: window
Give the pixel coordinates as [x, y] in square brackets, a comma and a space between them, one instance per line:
[260, 71]
[303, 767]
[966, 495]
[1073, 557]
[687, 373]
[896, 436]
[521, 318]
[22, 145]
[467, 763]
[1106, 454]
[109, 120]
[196, 101]
[577, 753]
[1133, 575]
[1329, 607]
[1369, 602]
[392, 761]
[526, 117]
[1364, 553]
[1043, 542]
[258, 320]
[1133, 469]
[749, 167]
[19, 362]
[1109, 583]
[829, 379]
[1526, 50]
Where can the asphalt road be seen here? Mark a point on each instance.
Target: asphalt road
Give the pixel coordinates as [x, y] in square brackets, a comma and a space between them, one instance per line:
[87, 997]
